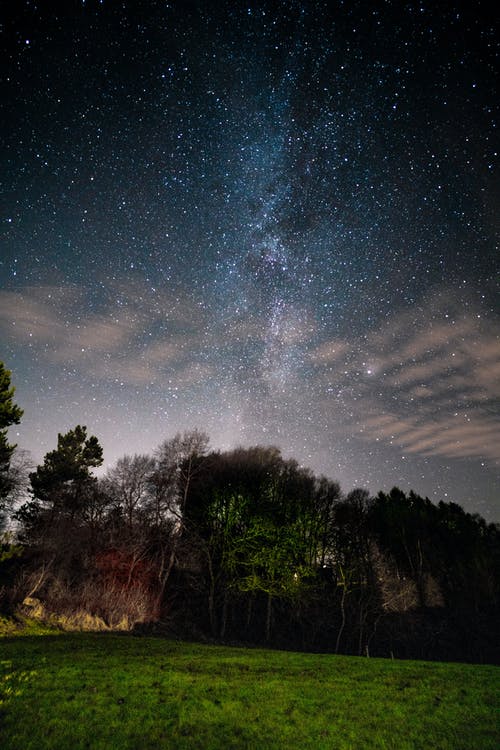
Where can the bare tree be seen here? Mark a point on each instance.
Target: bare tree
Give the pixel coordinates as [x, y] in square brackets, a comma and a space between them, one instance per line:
[17, 480]
[178, 461]
[128, 483]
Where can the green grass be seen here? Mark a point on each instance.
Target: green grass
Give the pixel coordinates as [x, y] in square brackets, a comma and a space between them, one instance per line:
[115, 691]
[22, 626]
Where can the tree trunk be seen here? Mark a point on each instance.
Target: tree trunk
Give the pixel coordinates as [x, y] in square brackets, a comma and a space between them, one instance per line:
[342, 624]
[269, 617]
[249, 610]
[211, 600]
[223, 625]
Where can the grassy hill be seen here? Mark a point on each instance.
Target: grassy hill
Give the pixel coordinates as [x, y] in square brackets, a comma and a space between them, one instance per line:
[119, 691]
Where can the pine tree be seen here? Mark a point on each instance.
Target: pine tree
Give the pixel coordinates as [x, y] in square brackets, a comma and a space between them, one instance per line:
[10, 414]
[64, 479]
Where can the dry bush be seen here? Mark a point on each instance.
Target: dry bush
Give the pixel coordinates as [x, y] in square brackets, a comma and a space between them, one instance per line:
[398, 592]
[121, 607]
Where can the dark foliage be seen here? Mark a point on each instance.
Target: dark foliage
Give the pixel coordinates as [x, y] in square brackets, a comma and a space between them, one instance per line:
[10, 414]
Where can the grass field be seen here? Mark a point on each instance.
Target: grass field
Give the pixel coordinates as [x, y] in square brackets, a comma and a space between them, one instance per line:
[115, 691]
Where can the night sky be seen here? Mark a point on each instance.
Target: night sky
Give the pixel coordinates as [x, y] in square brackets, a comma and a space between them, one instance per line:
[277, 222]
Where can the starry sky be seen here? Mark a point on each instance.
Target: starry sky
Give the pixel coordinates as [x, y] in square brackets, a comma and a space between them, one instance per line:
[277, 222]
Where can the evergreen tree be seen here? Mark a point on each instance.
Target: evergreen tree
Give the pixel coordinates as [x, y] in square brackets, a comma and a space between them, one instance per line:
[10, 414]
[64, 480]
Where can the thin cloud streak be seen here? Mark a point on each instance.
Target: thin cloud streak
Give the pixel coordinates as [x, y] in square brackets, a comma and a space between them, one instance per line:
[429, 388]
[459, 436]
[114, 344]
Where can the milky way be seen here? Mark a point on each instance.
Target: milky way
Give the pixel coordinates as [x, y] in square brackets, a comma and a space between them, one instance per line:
[275, 221]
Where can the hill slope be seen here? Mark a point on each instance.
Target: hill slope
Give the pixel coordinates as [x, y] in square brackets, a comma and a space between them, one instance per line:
[115, 691]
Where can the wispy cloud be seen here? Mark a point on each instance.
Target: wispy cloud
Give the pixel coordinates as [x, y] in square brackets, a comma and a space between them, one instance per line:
[427, 381]
[137, 337]
[457, 436]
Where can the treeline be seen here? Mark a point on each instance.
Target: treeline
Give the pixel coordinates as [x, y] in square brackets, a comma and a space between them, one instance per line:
[246, 546]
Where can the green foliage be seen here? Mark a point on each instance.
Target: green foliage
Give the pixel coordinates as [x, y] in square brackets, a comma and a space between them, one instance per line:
[261, 520]
[8, 549]
[21, 626]
[105, 692]
[271, 559]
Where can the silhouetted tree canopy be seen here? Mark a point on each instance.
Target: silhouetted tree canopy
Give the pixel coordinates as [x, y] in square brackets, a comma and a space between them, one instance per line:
[249, 546]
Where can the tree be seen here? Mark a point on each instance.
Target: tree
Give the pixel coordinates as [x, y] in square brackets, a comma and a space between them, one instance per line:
[57, 526]
[254, 518]
[178, 462]
[407, 526]
[271, 562]
[64, 480]
[128, 484]
[351, 567]
[10, 414]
